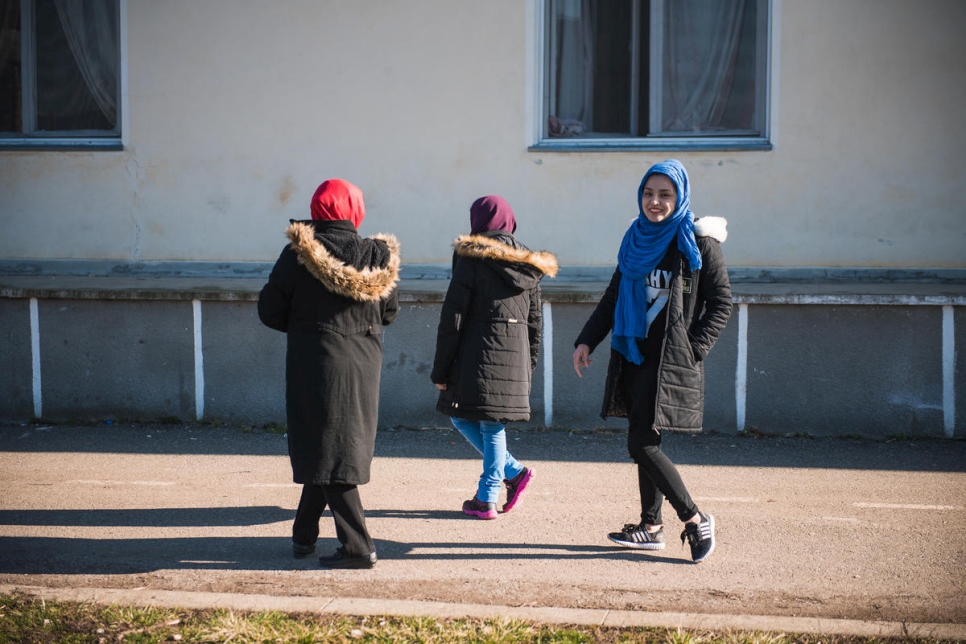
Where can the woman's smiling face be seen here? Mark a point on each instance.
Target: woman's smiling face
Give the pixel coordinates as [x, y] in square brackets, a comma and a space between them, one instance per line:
[659, 198]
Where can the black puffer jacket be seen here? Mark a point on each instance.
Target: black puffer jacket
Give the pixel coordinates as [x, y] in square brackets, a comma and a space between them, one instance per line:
[698, 310]
[489, 328]
[332, 291]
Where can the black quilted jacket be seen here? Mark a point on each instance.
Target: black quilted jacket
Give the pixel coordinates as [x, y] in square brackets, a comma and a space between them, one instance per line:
[489, 328]
[698, 310]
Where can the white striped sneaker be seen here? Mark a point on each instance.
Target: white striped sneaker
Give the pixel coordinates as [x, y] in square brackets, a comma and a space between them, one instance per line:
[637, 536]
[700, 536]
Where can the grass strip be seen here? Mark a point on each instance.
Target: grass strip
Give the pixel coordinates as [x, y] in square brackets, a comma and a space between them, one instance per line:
[28, 620]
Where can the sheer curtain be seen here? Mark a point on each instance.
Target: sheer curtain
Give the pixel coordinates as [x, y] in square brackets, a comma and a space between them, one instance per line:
[92, 31]
[574, 58]
[701, 39]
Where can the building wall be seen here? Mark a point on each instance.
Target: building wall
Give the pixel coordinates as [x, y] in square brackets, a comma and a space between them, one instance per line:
[234, 112]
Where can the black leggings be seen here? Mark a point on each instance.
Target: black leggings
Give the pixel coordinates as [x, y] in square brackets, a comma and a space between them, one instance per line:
[657, 477]
[350, 519]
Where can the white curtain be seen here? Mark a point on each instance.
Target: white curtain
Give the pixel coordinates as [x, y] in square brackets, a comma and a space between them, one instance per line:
[574, 58]
[701, 39]
[92, 32]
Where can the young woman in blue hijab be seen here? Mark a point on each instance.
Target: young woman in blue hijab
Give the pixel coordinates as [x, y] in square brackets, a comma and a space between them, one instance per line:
[666, 304]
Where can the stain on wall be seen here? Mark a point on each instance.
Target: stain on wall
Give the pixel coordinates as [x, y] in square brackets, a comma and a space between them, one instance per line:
[286, 191]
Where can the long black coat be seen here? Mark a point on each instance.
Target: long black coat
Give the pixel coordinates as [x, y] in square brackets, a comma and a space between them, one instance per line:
[489, 328]
[333, 309]
[698, 310]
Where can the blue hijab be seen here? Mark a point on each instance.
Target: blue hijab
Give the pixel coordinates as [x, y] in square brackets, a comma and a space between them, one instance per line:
[645, 244]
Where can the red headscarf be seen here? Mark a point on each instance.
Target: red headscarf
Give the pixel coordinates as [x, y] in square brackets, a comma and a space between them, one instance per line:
[338, 200]
[491, 213]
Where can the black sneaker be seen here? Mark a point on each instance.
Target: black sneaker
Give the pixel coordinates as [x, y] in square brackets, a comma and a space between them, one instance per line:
[637, 536]
[700, 536]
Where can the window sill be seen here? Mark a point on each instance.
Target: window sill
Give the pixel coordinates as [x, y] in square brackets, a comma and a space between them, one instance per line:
[650, 145]
[44, 145]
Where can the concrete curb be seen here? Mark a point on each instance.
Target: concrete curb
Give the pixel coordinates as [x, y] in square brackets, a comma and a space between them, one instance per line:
[547, 615]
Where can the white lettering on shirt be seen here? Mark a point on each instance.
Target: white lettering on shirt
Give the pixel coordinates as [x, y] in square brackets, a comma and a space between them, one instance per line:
[658, 291]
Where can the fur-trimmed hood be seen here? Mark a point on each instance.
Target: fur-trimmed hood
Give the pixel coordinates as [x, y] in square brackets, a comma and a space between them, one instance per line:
[364, 285]
[516, 264]
[716, 227]
[484, 247]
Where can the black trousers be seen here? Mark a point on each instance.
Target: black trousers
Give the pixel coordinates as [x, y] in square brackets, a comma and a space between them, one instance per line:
[657, 477]
[350, 518]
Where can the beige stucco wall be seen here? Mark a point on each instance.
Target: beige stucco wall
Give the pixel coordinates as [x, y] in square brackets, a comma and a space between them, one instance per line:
[235, 111]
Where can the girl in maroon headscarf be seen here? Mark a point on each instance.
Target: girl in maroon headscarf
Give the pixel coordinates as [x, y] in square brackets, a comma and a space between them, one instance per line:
[331, 291]
[487, 344]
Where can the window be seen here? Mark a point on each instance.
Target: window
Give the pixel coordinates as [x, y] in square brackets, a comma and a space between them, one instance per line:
[59, 73]
[658, 74]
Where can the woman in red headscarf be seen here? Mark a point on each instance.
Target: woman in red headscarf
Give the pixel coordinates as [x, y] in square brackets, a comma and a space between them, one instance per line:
[331, 291]
[487, 344]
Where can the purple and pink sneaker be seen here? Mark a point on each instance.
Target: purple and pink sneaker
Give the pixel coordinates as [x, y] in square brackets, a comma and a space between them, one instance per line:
[515, 488]
[476, 508]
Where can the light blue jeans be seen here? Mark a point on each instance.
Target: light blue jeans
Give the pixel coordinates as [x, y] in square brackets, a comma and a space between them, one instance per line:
[489, 439]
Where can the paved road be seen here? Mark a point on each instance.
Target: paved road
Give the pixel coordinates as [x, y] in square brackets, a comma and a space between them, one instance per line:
[821, 528]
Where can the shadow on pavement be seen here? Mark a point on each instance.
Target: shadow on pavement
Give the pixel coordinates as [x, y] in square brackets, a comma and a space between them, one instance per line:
[149, 517]
[189, 517]
[66, 556]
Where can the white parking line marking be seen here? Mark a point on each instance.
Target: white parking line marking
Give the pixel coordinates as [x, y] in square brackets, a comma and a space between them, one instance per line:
[728, 499]
[97, 482]
[906, 506]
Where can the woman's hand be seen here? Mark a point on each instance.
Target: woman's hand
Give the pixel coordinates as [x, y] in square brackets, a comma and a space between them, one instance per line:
[581, 358]
[440, 386]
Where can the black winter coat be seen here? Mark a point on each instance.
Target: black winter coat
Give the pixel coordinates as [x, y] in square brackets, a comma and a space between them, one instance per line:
[489, 328]
[698, 310]
[332, 292]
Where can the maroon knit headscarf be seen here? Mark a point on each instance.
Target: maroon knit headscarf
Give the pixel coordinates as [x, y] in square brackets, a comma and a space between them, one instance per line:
[338, 200]
[491, 213]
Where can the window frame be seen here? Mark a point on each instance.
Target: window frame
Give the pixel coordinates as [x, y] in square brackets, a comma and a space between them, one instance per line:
[538, 98]
[79, 139]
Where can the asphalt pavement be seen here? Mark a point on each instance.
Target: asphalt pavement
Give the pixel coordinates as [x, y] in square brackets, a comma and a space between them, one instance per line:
[813, 535]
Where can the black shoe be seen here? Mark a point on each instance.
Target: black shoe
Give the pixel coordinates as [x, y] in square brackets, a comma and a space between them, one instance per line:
[340, 560]
[700, 536]
[637, 536]
[302, 550]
